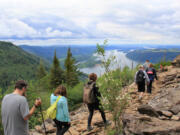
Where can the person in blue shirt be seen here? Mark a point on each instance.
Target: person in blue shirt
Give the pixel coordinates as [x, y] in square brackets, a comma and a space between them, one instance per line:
[62, 114]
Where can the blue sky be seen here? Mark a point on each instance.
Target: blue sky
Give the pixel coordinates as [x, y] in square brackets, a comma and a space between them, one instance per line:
[87, 22]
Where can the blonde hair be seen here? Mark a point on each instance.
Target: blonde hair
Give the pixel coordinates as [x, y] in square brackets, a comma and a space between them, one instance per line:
[141, 66]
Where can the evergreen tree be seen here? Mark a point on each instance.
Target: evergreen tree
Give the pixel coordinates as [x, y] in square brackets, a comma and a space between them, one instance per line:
[56, 73]
[40, 73]
[70, 69]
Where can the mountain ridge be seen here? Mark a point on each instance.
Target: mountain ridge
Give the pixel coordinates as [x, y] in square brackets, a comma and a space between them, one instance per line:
[16, 64]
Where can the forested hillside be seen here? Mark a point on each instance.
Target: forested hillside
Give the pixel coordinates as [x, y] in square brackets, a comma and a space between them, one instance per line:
[47, 52]
[15, 64]
[154, 55]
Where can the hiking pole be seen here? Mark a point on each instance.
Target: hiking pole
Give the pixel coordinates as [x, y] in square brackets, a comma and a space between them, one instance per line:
[43, 119]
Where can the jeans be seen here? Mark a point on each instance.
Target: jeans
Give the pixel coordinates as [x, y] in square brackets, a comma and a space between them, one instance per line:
[91, 108]
[62, 127]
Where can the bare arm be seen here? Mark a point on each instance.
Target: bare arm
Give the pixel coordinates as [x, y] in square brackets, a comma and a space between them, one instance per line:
[146, 76]
[31, 112]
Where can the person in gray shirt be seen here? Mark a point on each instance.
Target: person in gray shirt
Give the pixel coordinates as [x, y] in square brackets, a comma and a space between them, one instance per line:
[146, 65]
[15, 111]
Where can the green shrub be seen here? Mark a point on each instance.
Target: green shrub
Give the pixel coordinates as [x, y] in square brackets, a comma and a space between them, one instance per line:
[114, 99]
[163, 63]
[75, 95]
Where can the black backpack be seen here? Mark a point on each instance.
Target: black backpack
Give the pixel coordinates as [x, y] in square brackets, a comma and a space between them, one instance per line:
[140, 76]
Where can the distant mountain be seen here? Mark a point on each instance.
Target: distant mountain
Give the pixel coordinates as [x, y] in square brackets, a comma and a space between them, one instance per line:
[84, 54]
[16, 64]
[47, 52]
[154, 55]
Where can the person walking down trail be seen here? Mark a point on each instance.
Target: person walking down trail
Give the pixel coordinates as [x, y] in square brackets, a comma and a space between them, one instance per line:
[151, 74]
[140, 78]
[15, 110]
[62, 119]
[146, 65]
[90, 97]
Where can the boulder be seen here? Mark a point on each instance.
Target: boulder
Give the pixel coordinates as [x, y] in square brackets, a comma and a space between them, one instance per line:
[163, 118]
[167, 113]
[174, 117]
[38, 129]
[49, 128]
[175, 109]
[176, 61]
[133, 125]
[148, 110]
[166, 99]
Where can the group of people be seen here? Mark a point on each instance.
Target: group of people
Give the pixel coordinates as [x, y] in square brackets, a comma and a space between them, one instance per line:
[15, 109]
[145, 76]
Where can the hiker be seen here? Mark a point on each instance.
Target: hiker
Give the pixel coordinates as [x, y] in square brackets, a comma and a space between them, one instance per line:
[140, 78]
[62, 119]
[146, 65]
[15, 110]
[94, 104]
[151, 72]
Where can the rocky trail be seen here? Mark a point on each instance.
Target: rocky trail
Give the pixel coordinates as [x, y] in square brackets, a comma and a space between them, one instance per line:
[78, 124]
[156, 114]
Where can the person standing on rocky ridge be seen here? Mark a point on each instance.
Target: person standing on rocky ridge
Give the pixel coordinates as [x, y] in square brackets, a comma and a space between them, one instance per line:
[96, 104]
[15, 110]
[146, 65]
[141, 78]
[62, 119]
[151, 74]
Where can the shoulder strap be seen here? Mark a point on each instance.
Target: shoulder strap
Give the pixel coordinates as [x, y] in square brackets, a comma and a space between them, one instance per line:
[58, 99]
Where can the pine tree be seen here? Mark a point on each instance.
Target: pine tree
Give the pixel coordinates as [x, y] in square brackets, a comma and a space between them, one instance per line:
[56, 73]
[41, 72]
[71, 72]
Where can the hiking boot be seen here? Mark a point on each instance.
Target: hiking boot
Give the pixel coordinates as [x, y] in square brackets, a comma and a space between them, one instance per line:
[107, 123]
[89, 128]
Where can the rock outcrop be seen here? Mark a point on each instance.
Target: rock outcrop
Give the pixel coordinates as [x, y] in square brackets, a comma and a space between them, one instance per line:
[176, 61]
[159, 113]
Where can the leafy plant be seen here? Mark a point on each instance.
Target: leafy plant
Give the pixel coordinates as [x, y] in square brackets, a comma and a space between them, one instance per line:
[111, 84]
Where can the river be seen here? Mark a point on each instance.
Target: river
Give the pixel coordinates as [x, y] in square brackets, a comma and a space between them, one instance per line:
[121, 62]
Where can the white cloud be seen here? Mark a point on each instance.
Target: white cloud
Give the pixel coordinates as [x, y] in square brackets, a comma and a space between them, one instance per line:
[14, 27]
[71, 21]
[57, 33]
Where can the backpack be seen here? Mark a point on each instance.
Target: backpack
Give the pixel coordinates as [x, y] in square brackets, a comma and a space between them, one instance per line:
[140, 76]
[150, 72]
[51, 111]
[88, 94]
